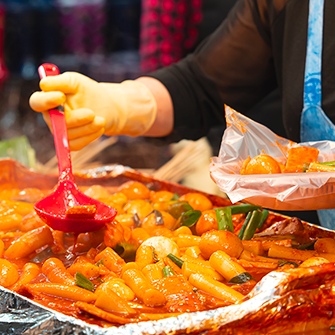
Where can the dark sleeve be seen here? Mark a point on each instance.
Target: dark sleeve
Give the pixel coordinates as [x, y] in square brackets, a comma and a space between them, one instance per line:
[233, 66]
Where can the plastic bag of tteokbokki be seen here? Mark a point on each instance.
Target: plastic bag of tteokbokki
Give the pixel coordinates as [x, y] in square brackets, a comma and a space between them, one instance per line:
[244, 139]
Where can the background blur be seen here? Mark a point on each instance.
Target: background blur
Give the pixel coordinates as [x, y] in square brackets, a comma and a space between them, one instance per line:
[108, 41]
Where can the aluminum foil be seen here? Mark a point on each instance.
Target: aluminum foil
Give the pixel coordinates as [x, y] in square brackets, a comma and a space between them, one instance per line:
[280, 303]
[270, 308]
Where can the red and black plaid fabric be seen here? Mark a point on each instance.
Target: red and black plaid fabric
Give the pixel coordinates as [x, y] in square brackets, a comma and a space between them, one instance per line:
[169, 30]
[82, 28]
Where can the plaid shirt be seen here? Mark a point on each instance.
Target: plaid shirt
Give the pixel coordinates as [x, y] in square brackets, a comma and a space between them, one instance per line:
[169, 30]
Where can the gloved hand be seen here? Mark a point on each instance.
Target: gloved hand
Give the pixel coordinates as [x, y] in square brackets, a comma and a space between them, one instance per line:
[93, 109]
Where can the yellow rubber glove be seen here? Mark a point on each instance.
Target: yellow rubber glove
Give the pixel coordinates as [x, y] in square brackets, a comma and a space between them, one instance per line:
[93, 109]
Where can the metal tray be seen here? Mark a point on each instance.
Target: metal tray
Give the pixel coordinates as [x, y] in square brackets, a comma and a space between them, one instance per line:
[289, 301]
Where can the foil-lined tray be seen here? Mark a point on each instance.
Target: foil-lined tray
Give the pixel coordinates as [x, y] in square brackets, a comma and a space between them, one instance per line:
[291, 301]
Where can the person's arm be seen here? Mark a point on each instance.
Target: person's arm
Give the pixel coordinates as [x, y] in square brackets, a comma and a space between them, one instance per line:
[233, 66]
[163, 124]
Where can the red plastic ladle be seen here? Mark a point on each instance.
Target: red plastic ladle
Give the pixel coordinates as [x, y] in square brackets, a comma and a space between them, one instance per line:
[53, 209]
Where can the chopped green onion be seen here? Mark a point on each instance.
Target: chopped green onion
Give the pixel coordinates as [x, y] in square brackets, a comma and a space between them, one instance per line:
[176, 260]
[241, 278]
[245, 223]
[82, 281]
[308, 246]
[175, 196]
[328, 163]
[168, 271]
[224, 219]
[253, 223]
[100, 280]
[177, 208]
[282, 263]
[154, 255]
[189, 218]
[241, 209]
[100, 262]
[265, 214]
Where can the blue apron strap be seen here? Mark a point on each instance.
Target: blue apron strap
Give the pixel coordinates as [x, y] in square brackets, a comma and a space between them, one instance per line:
[312, 87]
[315, 125]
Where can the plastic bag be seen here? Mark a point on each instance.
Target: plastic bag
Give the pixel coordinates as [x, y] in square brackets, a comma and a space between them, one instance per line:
[287, 191]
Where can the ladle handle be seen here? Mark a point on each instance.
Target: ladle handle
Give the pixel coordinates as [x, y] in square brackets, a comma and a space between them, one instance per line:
[59, 129]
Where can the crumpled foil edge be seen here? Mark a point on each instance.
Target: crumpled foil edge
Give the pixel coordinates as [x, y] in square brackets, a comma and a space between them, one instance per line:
[19, 315]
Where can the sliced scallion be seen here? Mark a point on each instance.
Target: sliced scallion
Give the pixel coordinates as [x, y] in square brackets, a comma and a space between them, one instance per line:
[283, 262]
[253, 224]
[82, 281]
[168, 271]
[175, 196]
[100, 262]
[307, 246]
[241, 278]
[177, 208]
[189, 218]
[176, 260]
[265, 214]
[224, 218]
[241, 209]
[245, 223]
[328, 163]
